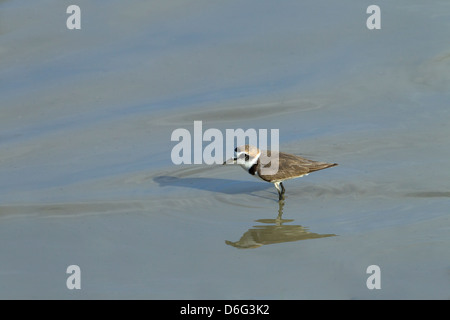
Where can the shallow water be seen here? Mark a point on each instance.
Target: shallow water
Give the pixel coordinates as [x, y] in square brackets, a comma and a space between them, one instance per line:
[86, 176]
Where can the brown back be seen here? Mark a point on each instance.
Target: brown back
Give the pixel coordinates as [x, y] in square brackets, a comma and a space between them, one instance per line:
[289, 166]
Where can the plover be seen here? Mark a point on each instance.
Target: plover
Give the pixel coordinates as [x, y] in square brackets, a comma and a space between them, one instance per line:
[289, 166]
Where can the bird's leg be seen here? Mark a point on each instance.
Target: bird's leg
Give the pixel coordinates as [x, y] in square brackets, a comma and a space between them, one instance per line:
[280, 191]
[277, 186]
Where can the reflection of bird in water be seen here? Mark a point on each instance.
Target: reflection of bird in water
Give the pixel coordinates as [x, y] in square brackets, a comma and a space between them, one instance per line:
[274, 232]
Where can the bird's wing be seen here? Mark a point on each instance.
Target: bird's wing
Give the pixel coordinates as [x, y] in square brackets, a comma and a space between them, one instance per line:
[289, 165]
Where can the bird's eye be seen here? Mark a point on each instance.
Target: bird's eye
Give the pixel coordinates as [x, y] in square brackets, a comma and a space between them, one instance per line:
[247, 157]
[235, 149]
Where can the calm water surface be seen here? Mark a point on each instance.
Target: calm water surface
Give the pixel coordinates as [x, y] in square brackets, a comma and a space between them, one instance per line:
[86, 176]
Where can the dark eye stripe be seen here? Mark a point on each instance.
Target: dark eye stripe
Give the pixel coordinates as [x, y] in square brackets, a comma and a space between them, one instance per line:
[247, 157]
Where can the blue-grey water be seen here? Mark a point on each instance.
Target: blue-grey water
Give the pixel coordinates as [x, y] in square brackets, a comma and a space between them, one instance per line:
[86, 176]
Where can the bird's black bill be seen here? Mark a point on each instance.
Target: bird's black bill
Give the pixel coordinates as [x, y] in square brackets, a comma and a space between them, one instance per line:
[231, 159]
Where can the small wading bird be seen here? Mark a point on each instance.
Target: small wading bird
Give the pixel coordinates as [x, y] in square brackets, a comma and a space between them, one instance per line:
[290, 166]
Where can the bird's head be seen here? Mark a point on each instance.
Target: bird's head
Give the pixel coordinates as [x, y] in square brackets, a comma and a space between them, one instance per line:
[245, 155]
